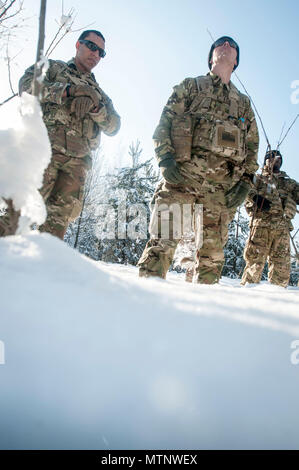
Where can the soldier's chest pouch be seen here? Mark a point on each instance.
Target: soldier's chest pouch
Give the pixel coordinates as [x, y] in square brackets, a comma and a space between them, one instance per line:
[228, 141]
[226, 135]
[223, 138]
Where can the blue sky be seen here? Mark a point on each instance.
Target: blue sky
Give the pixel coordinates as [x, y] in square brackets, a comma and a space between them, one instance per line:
[154, 44]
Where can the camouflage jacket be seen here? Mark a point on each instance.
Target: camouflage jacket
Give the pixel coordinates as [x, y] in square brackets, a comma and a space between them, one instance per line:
[68, 134]
[273, 200]
[222, 127]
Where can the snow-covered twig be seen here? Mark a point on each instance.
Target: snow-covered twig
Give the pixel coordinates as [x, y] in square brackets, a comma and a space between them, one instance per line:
[65, 21]
[8, 60]
[68, 29]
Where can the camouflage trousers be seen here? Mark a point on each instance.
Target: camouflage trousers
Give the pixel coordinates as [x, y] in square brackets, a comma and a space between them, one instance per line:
[9, 221]
[189, 261]
[62, 190]
[209, 258]
[272, 244]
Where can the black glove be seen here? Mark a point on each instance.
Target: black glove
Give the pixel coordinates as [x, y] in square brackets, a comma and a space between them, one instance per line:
[235, 196]
[170, 171]
[262, 204]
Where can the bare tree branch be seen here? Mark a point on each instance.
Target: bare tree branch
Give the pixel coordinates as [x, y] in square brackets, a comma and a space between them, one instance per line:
[5, 25]
[8, 99]
[13, 14]
[40, 48]
[84, 27]
[8, 60]
[68, 30]
[59, 30]
[6, 9]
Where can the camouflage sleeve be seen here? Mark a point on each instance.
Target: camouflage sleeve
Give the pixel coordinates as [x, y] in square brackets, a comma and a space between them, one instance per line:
[52, 91]
[291, 188]
[177, 104]
[249, 202]
[107, 118]
[252, 143]
[296, 193]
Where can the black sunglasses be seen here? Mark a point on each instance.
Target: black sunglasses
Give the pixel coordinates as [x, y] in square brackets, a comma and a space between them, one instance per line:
[93, 47]
[221, 41]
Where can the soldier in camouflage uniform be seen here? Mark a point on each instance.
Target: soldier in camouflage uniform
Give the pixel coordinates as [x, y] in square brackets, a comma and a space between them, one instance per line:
[206, 146]
[271, 205]
[75, 111]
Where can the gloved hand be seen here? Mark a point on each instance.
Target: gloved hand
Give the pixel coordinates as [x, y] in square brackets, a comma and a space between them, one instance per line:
[81, 105]
[262, 203]
[84, 90]
[169, 170]
[235, 196]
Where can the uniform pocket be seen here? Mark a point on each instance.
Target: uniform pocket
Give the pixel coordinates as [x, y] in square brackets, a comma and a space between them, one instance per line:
[57, 138]
[76, 145]
[77, 204]
[181, 136]
[258, 247]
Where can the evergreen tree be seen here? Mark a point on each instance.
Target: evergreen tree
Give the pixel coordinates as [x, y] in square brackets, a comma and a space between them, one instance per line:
[130, 191]
[81, 233]
[238, 232]
[113, 223]
[294, 277]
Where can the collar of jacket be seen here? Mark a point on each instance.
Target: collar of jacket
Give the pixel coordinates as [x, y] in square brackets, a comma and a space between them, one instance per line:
[72, 64]
[218, 82]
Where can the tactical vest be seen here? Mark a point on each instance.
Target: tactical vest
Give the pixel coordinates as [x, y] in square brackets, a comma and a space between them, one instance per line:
[53, 114]
[212, 124]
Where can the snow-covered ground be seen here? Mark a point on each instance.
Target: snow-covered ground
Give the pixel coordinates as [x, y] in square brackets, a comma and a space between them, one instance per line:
[96, 358]
[25, 153]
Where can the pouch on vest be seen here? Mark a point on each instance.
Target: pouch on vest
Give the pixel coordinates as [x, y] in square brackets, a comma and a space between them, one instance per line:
[222, 138]
[227, 141]
[183, 126]
[181, 136]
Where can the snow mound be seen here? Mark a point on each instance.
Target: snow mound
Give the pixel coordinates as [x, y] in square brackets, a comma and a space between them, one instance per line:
[25, 153]
[96, 358]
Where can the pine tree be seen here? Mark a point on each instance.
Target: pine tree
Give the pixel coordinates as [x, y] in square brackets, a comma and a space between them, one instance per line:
[130, 191]
[294, 277]
[113, 223]
[81, 233]
[238, 232]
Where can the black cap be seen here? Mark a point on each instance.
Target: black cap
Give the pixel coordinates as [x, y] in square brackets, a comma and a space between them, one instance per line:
[213, 47]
